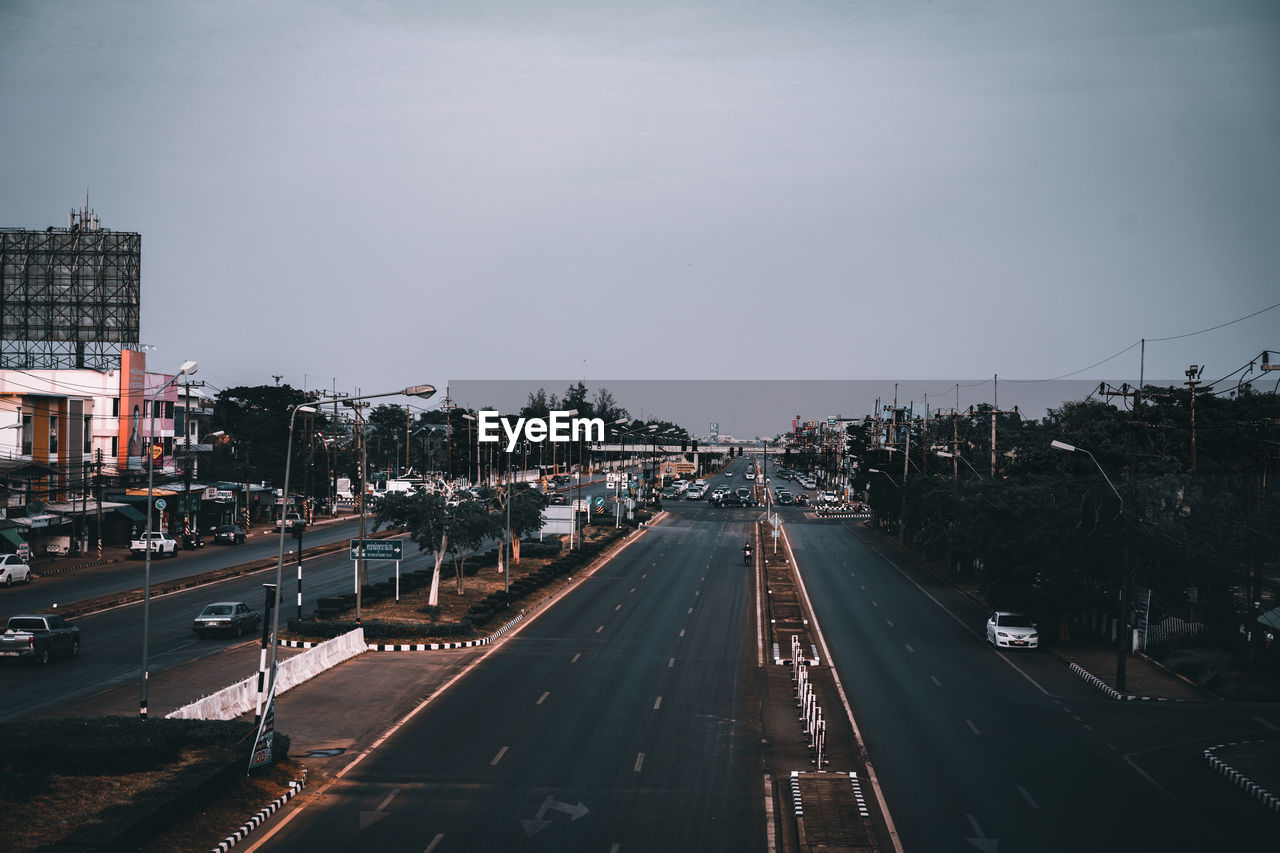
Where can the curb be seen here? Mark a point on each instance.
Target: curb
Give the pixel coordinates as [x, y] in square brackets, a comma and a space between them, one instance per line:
[1268, 799]
[260, 818]
[414, 647]
[1111, 692]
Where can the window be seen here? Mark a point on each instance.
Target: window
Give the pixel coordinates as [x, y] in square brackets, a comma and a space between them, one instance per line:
[53, 434]
[168, 410]
[115, 446]
[115, 407]
[88, 433]
[28, 434]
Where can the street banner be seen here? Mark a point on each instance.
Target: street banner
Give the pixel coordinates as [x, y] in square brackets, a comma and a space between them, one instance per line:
[261, 755]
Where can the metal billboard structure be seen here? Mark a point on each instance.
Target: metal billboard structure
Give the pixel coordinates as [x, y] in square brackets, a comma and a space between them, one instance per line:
[69, 297]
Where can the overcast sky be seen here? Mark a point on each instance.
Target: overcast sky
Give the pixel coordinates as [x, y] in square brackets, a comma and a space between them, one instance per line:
[368, 195]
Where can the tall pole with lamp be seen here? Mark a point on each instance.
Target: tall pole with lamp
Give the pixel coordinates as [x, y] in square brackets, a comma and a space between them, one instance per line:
[187, 368]
[423, 391]
[1124, 634]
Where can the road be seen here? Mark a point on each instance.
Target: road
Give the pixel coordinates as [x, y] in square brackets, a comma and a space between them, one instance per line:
[976, 747]
[615, 721]
[111, 640]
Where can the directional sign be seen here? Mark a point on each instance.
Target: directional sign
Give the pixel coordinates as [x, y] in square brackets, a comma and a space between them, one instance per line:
[378, 549]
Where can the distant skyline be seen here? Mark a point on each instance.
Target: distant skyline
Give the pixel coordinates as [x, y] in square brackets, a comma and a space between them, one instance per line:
[365, 196]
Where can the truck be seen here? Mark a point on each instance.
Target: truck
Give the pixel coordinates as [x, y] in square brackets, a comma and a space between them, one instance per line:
[39, 637]
[160, 544]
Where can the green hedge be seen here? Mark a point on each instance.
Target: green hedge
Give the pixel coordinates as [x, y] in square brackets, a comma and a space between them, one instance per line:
[380, 630]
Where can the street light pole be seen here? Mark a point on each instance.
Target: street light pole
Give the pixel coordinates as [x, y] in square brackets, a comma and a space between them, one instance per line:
[423, 391]
[1124, 634]
[187, 368]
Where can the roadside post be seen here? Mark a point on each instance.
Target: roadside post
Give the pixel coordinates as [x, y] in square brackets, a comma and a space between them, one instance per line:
[269, 607]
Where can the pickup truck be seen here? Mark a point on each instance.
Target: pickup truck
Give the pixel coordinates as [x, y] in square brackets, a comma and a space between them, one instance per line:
[290, 521]
[162, 544]
[39, 637]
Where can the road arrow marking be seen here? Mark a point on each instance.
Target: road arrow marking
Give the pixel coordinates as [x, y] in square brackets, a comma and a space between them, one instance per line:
[987, 845]
[532, 826]
[369, 818]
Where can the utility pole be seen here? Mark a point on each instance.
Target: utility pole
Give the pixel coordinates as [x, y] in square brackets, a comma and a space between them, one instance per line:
[1193, 379]
[1125, 632]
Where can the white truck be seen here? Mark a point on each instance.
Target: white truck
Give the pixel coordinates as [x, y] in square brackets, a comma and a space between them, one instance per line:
[160, 544]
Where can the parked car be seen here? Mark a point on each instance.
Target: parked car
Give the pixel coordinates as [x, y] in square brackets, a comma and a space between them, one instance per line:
[1009, 629]
[13, 570]
[230, 534]
[231, 617]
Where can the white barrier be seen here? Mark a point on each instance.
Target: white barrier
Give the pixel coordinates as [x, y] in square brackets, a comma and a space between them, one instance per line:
[230, 702]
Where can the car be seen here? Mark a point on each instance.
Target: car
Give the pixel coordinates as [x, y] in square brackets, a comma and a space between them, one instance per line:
[694, 494]
[728, 474]
[558, 500]
[13, 570]
[1010, 629]
[731, 499]
[231, 534]
[750, 475]
[230, 617]
[785, 499]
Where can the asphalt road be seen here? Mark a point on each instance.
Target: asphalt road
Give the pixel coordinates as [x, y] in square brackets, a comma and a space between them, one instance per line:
[976, 748]
[111, 640]
[619, 720]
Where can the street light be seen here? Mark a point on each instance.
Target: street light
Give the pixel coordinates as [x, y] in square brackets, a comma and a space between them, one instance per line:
[946, 455]
[187, 368]
[423, 391]
[1124, 634]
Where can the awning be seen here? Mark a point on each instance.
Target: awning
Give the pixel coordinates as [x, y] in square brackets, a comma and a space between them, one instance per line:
[12, 535]
[131, 513]
[44, 519]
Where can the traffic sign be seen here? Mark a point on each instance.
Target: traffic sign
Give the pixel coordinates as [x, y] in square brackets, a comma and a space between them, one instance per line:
[160, 503]
[600, 500]
[378, 549]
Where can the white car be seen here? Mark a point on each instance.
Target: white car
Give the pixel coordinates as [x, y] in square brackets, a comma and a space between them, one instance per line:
[13, 570]
[1007, 629]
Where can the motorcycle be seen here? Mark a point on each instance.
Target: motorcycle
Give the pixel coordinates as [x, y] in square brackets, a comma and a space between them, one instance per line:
[192, 540]
[746, 556]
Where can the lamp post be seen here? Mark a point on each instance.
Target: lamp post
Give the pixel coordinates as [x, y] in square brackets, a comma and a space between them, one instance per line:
[187, 368]
[423, 391]
[1124, 632]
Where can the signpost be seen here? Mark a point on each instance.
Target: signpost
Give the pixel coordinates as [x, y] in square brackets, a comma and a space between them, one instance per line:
[378, 549]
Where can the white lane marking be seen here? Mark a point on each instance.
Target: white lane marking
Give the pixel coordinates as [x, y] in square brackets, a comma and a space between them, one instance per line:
[1027, 796]
[639, 762]
[498, 757]
[935, 680]
[633, 589]
[944, 609]
[382, 806]
[681, 632]
[542, 698]
[615, 847]
[619, 607]
[1265, 723]
[972, 726]
[910, 649]
[875, 604]
[657, 703]
[768, 812]
[697, 592]
[671, 662]
[889, 622]
[575, 657]
[601, 628]
[690, 609]
[435, 842]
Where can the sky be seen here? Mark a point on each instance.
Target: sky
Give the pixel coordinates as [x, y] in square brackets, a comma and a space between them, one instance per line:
[378, 194]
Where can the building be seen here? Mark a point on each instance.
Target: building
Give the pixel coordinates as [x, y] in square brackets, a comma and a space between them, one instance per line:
[81, 417]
